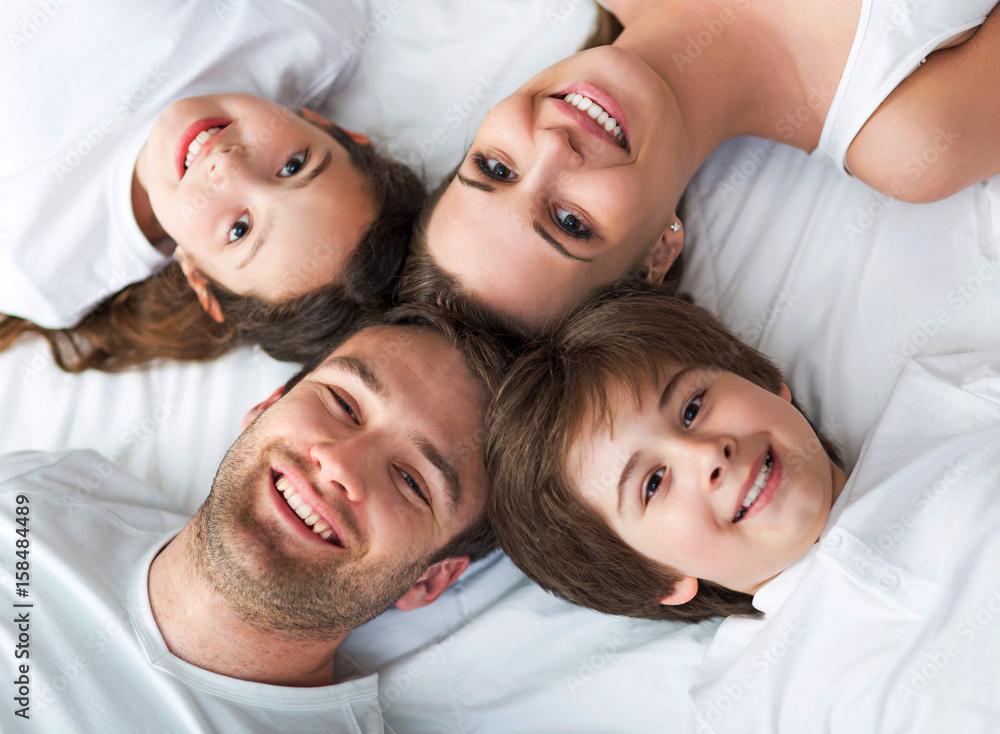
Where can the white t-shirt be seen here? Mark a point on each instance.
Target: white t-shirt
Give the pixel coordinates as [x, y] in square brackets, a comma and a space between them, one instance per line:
[94, 658]
[891, 622]
[81, 83]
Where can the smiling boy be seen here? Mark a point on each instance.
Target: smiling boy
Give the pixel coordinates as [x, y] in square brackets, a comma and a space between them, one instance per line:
[646, 462]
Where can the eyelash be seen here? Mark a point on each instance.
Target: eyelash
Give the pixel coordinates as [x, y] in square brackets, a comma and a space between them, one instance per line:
[344, 405]
[652, 485]
[414, 485]
[304, 155]
[483, 163]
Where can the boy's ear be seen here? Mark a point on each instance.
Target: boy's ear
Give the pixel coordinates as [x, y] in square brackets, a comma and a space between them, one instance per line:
[684, 591]
[200, 286]
[260, 408]
[785, 393]
[432, 584]
[312, 116]
[665, 251]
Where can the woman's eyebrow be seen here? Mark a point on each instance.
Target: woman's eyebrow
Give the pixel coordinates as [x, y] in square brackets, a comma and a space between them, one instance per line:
[473, 184]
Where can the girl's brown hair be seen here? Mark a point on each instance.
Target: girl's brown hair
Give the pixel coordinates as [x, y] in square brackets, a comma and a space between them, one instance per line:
[161, 318]
[550, 397]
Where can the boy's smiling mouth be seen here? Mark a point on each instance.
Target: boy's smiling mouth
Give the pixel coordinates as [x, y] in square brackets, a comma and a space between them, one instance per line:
[757, 488]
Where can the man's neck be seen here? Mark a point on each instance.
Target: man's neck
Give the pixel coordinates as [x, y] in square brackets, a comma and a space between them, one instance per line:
[199, 627]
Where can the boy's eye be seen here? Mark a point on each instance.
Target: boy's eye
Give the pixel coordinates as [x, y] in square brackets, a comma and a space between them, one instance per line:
[240, 228]
[295, 164]
[691, 410]
[493, 168]
[652, 485]
[413, 484]
[570, 224]
[346, 406]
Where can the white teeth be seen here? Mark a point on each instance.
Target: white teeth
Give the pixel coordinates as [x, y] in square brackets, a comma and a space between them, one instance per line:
[195, 145]
[598, 114]
[302, 509]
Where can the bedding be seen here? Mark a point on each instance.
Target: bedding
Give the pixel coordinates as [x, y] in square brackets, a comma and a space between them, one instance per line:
[818, 271]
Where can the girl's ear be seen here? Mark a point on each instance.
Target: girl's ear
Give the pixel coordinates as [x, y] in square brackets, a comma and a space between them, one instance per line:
[684, 591]
[665, 251]
[315, 117]
[199, 285]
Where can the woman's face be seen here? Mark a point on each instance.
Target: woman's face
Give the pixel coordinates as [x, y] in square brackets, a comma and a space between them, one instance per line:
[551, 202]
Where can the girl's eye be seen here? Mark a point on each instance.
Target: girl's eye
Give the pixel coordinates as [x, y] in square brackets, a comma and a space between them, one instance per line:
[571, 224]
[294, 165]
[493, 168]
[652, 485]
[240, 228]
[345, 405]
[691, 410]
[414, 485]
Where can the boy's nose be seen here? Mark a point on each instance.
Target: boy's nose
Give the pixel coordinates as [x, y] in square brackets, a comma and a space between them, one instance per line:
[711, 459]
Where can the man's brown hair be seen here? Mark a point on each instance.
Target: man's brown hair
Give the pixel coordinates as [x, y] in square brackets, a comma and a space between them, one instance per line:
[556, 392]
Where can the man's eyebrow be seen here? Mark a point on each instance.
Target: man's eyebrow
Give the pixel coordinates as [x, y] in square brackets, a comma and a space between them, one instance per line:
[540, 230]
[299, 183]
[453, 490]
[473, 184]
[362, 371]
[264, 232]
[630, 466]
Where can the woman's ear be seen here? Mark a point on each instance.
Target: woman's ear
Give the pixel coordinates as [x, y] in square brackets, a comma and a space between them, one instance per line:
[665, 251]
[684, 591]
[318, 119]
[199, 285]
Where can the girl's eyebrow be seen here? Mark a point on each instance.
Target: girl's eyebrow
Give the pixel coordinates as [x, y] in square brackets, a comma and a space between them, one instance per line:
[302, 182]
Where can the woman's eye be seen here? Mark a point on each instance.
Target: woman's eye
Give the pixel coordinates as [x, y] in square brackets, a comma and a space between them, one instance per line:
[240, 228]
[294, 165]
[691, 410]
[493, 168]
[413, 484]
[570, 223]
[345, 405]
[652, 485]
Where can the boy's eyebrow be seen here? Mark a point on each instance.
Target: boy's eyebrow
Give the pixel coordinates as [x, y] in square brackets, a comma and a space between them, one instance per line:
[304, 181]
[633, 462]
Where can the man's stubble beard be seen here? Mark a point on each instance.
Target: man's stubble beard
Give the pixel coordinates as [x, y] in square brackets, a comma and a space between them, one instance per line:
[303, 598]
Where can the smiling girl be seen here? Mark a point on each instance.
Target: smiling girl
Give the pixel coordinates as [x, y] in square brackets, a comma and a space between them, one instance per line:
[141, 222]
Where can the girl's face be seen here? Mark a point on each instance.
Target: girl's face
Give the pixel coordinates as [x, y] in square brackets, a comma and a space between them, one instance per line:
[550, 203]
[255, 197]
[711, 475]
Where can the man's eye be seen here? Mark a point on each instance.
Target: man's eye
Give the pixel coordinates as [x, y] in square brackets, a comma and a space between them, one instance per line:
[414, 485]
[240, 228]
[493, 168]
[570, 224]
[692, 409]
[652, 485]
[295, 164]
[345, 405]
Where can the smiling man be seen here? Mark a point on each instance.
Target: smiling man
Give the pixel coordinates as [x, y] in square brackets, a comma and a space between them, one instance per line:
[357, 486]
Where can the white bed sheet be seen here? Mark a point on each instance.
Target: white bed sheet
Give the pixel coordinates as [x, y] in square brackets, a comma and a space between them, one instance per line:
[495, 653]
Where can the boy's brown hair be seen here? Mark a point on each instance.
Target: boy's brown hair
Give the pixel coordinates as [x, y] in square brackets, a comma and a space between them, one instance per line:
[557, 391]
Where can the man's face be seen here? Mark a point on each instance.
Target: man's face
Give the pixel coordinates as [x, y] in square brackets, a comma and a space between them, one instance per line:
[326, 509]
[711, 475]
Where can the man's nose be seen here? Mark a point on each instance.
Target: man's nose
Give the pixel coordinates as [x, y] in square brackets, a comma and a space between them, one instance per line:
[344, 466]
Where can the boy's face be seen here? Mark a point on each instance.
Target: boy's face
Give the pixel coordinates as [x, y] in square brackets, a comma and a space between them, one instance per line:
[712, 475]
[268, 205]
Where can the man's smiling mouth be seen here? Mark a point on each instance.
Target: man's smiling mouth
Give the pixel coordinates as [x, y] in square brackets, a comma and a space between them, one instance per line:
[308, 515]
